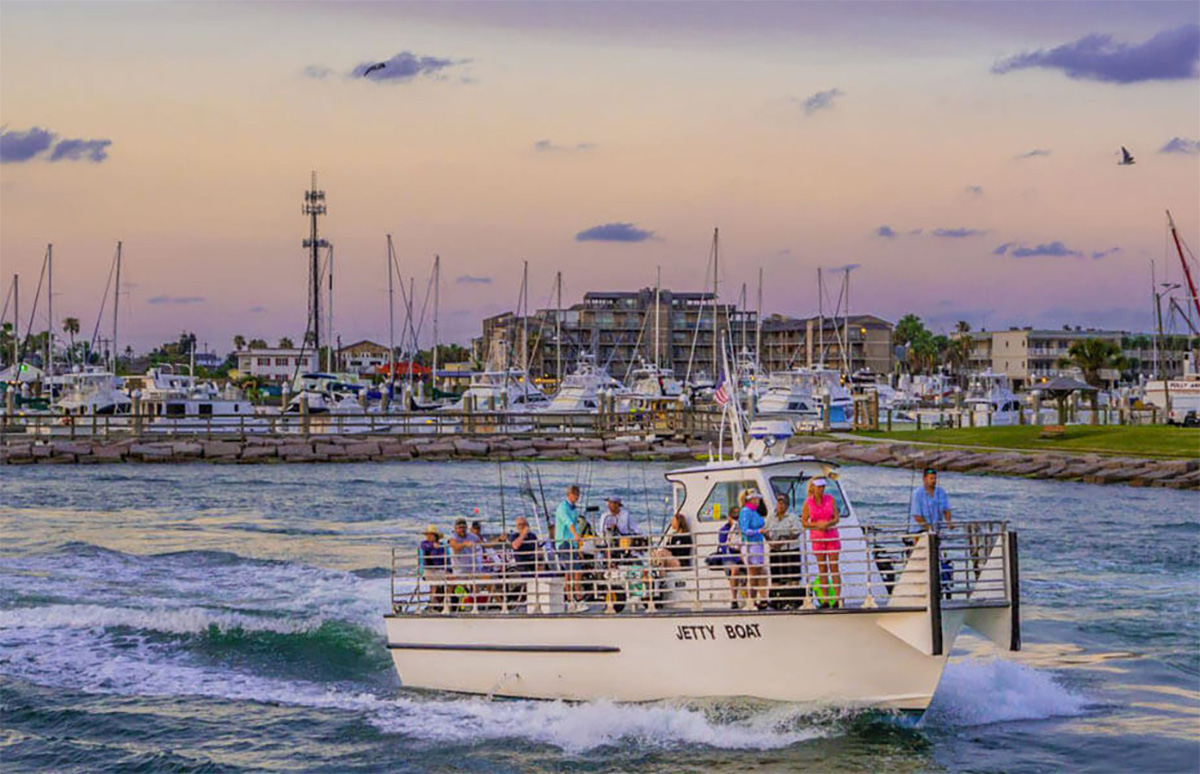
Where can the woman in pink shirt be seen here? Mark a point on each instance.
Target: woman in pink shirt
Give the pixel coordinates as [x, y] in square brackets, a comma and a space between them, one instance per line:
[820, 517]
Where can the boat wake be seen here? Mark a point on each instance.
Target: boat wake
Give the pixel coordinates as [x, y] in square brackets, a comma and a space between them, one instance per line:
[978, 691]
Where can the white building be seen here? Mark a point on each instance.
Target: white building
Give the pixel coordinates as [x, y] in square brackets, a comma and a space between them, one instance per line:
[276, 365]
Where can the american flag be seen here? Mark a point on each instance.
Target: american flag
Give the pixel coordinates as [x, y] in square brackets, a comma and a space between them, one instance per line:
[721, 395]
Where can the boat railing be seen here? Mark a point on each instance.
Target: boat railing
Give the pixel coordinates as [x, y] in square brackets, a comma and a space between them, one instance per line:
[967, 565]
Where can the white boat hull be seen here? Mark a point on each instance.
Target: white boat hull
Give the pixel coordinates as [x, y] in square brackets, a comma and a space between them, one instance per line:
[873, 657]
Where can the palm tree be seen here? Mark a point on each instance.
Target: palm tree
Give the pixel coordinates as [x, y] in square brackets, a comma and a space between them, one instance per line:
[286, 343]
[962, 326]
[1091, 356]
[70, 326]
[239, 341]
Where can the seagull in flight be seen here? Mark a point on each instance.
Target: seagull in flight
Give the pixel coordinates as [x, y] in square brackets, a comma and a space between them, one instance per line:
[1126, 157]
[381, 65]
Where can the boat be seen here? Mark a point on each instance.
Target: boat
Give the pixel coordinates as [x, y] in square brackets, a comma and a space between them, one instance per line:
[582, 390]
[801, 394]
[1183, 408]
[173, 402]
[991, 400]
[644, 631]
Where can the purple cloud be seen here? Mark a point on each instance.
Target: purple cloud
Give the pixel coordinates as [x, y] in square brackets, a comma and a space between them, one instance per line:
[17, 147]
[974, 190]
[543, 146]
[256, 309]
[822, 100]
[404, 67]
[957, 233]
[1032, 154]
[614, 232]
[1181, 145]
[1053, 249]
[1170, 55]
[886, 232]
[468, 279]
[176, 300]
[1098, 254]
[317, 72]
[74, 150]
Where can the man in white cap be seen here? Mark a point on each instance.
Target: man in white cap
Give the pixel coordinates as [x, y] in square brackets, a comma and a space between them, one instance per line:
[617, 521]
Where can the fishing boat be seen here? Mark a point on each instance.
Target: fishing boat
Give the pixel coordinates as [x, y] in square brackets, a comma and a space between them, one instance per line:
[643, 629]
[173, 402]
[802, 394]
[582, 390]
[992, 401]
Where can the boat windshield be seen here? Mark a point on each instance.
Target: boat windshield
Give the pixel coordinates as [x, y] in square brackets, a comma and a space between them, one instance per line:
[796, 488]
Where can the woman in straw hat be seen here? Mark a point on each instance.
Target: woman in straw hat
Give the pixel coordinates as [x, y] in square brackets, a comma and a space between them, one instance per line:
[431, 565]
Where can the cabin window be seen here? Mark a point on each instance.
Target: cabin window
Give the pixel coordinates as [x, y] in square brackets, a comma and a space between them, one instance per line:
[176, 410]
[725, 495]
[205, 409]
[796, 488]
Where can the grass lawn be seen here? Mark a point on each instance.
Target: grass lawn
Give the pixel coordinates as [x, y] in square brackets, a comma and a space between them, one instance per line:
[1137, 441]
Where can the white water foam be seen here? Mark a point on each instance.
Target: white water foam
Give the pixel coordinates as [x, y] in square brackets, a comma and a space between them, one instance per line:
[74, 659]
[976, 692]
[186, 620]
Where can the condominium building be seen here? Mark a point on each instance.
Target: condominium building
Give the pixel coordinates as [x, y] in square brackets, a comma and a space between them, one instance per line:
[620, 329]
[791, 342]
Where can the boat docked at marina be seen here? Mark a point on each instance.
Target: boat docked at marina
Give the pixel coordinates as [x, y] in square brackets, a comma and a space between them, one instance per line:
[991, 399]
[583, 389]
[802, 394]
[646, 629]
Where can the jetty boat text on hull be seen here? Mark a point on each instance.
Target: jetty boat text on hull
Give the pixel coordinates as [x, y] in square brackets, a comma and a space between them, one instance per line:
[651, 626]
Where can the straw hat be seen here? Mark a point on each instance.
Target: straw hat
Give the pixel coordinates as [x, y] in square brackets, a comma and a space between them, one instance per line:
[431, 529]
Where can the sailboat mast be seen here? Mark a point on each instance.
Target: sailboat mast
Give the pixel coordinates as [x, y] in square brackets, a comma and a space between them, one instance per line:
[846, 328]
[820, 320]
[716, 322]
[329, 338]
[16, 321]
[1187, 272]
[558, 372]
[525, 319]
[758, 323]
[744, 302]
[437, 289]
[116, 306]
[391, 324]
[49, 310]
[657, 312]
[412, 330]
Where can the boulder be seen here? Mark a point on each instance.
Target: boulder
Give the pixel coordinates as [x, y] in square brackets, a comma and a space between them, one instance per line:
[437, 449]
[186, 449]
[328, 450]
[41, 451]
[221, 449]
[258, 453]
[70, 447]
[465, 448]
[363, 449]
[295, 450]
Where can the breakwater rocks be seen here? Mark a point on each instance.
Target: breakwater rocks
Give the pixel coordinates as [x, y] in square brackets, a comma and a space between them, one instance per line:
[1090, 468]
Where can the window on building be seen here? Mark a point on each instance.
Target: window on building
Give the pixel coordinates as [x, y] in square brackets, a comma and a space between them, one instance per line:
[264, 361]
[281, 361]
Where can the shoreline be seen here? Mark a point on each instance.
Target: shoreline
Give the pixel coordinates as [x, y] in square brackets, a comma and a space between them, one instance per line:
[1089, 468]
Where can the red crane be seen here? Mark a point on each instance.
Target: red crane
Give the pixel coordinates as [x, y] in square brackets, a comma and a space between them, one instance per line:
[1187, 272]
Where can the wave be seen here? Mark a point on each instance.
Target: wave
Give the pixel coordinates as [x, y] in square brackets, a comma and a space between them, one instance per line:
[977, 692]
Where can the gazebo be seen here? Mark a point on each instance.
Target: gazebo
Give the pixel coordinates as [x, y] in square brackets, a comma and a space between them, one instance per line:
[1060, 388]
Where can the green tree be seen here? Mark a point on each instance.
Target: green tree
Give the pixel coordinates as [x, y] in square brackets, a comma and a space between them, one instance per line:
[70, 326]
[257, 344]
[1091, 356]
[286, 343]
[907, 330]
[239, 341]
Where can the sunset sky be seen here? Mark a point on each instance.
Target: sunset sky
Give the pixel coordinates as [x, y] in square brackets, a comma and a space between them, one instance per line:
[963, 154]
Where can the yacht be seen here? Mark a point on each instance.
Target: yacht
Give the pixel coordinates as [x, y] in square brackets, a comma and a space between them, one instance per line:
[1184, 407]
[653, 386]
[179, 403]
[992, 401]
[800, 394]
[582, 390]
[90, 398]
[641, 629]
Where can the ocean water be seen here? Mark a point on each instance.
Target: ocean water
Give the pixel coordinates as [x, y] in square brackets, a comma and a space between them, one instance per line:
[211, 619]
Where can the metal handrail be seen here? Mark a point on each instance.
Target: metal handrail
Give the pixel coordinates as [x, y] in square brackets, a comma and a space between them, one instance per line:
[878, 567]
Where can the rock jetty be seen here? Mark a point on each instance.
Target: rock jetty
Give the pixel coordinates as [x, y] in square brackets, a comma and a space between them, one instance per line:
[1089, 468]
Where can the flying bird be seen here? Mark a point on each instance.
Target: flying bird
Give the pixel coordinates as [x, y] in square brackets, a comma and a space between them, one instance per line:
[1126, 157]
[373, 68]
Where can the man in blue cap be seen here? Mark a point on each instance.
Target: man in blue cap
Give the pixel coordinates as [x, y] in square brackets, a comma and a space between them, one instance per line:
[930, 508]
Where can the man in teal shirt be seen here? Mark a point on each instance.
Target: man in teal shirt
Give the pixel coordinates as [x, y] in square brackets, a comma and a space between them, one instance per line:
[930, 508]
[566, 537]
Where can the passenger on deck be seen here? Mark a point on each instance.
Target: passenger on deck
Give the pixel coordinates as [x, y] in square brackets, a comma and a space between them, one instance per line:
[431, 565]
[728, 556]
[751, 524]
[524, 547]
[617, 522]
[487, 560]
[566, 539]
[463, 549]
[782, 529]
[676, 551]
[930, 508]
[820, 517]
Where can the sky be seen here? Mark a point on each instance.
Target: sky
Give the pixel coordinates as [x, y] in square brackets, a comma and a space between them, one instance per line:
[963, 156]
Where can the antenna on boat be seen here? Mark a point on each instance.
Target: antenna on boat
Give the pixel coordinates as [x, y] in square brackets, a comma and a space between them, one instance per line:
[503, 516]
[558, 371]
[49, 310]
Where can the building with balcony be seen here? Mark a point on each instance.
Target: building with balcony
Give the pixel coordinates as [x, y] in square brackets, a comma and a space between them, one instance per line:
[362, 357]
[792, 342]
[275, 365]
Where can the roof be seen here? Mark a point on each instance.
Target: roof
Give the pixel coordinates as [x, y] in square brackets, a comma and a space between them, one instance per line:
[733, 464]
[1065, 384]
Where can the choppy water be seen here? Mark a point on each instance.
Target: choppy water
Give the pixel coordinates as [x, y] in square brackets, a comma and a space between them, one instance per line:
[202, 618]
